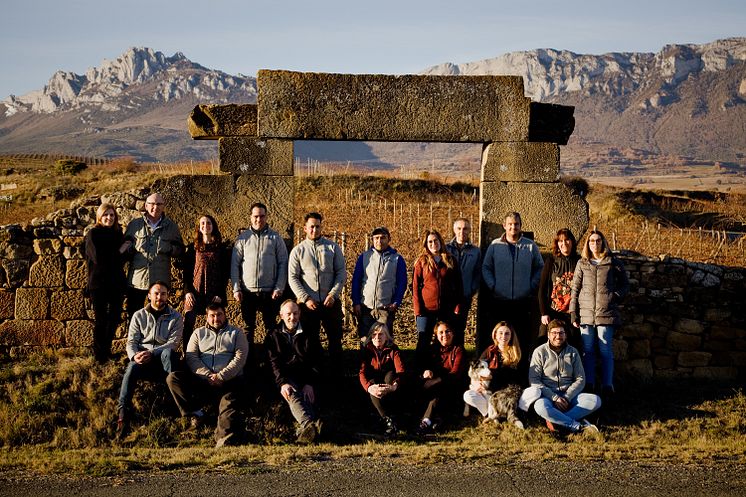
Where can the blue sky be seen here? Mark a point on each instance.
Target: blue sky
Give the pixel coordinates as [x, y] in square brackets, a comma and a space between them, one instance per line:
[38, 37]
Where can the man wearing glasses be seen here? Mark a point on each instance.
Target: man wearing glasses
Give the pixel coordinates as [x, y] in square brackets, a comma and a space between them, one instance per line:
[556, 379]
[152, 241]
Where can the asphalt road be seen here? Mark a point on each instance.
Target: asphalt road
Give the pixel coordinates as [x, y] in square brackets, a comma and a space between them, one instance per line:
[373, 477]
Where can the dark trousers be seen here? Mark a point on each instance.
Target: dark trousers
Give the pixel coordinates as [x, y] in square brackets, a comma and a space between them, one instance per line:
[192, 393]
[107, 308]
[251, 302]
[459, 321]
[518, 314]
[366, 321]
[442, 397]
[388, 404]
[331, 319]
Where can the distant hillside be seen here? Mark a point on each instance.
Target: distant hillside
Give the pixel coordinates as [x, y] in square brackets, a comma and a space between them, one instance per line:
[685, 103]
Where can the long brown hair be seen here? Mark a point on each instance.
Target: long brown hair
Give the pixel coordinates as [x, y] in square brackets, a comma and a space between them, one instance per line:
[102, 210]
[511, 355]
[427, 257]
[567, 234]
[199, 244]
[588, 253]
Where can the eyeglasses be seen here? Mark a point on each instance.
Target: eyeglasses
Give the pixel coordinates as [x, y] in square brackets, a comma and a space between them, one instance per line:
[154, 203]
[595, 241]
[558, 333]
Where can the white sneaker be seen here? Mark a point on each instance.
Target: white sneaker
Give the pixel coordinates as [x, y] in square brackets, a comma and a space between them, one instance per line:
[519, 424]
[588, 427]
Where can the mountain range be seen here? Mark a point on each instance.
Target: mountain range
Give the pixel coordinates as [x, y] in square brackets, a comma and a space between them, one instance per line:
[685, 101]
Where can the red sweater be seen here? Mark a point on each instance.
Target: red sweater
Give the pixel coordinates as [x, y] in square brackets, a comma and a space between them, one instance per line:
[376, 363]
[434, 291]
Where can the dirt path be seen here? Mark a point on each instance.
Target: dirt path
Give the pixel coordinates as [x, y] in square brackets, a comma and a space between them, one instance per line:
[362, 477]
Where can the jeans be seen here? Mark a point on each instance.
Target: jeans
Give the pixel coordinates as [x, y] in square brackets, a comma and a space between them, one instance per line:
[155, 370]
[603, 336]
[580, 407]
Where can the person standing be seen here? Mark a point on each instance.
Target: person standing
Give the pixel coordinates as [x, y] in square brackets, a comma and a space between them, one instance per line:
[599, 284]
[206, 267]
[152, 240]
[378, 283]
[316, 271]
[469, 259]
[259, 271]
[512, 271]
[436, 291]
[106, 279]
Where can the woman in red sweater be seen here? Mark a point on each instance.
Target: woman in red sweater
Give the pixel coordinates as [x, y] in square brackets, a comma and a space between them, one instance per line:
[436, 291]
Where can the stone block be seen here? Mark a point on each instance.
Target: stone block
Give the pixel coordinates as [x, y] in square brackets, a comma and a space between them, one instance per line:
[544, 208]
[726, 333]
[620, 349]
[32, 303]
[521, 161]
[717, 314]
[73, 241]
[637, 369]
[68, 305]
[689, 326]
[671, 374]
[632, 330]
[717, 345]
[47, 246]
[694, 359]
[664, 362]
[683, 341]
[16, 271]
[16, 250]
[660, 319]
[73, 253]
[79, 333]
[551, 123]
[210, 122]
[76, 275]
[714, 373]
[7, 304]
[48, 271]
[120, 200]
[391, 108]
[639, 349]
[31, 332]
[228, 198]
[246, 155]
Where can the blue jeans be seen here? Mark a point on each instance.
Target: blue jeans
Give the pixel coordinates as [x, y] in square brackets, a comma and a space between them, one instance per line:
[580, 407]
[601, 335]
[155, 370]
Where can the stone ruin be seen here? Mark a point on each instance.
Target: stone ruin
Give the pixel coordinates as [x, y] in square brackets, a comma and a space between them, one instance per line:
[679, 319]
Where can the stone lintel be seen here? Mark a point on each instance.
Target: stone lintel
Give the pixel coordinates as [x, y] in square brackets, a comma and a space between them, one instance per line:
[210, 122]
[377, 107]
[521, 161]
[228, 198]
[544, 209]
[551, 123]
[250, 155]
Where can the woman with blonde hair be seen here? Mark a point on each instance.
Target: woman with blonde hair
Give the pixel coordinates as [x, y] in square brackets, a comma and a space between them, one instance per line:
[502, 358]
[436, 291]
[381, 371]
[104, 249]
[599, 284]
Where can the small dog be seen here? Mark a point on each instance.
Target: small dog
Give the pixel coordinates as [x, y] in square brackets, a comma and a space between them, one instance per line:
[502, 404]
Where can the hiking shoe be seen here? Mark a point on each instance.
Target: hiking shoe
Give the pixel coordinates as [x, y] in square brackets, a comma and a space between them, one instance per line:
[123, 425]
[307, 434]
[390, 429]
[551, 427]
[319, 427]
[196, 422]
[224, 441]
[588, 427]
[519, 424]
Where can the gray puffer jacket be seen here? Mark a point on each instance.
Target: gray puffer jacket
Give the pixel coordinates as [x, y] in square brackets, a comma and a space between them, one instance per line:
[597, 290]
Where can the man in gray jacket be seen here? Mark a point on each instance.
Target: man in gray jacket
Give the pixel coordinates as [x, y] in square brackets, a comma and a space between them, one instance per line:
[216, 355]
[259, 271]
[152, 240]
[556, 379]
[470, 261]
[316, 272]
[154, 333]
[512, 271]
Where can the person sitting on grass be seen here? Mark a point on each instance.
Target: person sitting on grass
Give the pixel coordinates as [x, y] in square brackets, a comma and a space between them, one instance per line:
[216, 355]
[381, 371]
[295, 357]
[154, 333]
[557, 379]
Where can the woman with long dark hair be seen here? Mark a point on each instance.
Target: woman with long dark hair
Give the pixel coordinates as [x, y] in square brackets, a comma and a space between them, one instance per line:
[436, 290]
[599, 284]
[206, 270]
[106, 279]
[555, 284]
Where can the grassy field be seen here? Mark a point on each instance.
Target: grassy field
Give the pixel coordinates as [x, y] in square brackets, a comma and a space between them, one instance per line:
[57, 416]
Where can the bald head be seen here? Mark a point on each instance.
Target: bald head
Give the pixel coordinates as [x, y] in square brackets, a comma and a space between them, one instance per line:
[154, 206]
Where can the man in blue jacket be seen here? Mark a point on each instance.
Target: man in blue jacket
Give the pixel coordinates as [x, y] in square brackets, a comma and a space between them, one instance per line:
[378, 283]
[470, 261]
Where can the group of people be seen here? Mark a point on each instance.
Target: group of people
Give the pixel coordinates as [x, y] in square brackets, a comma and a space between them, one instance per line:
[574, 292]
